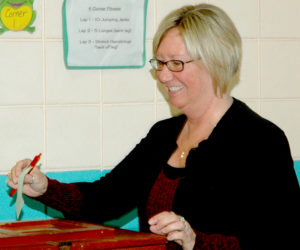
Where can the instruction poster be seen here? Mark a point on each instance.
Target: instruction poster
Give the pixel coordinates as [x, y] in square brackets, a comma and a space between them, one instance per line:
[104, 33]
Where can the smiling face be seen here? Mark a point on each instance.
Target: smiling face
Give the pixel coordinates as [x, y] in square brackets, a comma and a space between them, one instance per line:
[190, 90]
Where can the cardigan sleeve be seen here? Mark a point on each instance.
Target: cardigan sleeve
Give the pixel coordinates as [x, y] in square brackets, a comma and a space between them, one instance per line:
[215, 241]
[64, 197]
[118, 192]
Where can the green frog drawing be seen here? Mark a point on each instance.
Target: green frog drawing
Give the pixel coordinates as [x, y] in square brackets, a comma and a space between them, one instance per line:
[16, 15]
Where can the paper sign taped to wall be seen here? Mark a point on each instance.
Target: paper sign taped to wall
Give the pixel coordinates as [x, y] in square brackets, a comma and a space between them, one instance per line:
[104, 34]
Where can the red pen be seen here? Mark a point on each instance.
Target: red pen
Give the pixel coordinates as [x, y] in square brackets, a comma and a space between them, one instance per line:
[32, 164]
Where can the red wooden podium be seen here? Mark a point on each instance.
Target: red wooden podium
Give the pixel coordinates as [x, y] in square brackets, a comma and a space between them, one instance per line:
[66, 234]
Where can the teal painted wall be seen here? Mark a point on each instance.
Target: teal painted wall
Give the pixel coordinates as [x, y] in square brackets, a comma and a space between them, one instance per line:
[34, 210]
[297, 169]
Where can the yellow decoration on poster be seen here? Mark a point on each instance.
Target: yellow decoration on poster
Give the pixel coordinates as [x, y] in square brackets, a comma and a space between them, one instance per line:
[17, 16]
[16, 19]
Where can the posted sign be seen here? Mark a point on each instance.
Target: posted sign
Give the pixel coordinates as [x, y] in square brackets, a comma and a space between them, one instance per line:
[104, 33]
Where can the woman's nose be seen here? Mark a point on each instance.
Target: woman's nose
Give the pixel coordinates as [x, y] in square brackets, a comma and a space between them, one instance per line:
[164, 75]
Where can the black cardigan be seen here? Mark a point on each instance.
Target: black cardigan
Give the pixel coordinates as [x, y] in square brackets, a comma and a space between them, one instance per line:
[239, 182]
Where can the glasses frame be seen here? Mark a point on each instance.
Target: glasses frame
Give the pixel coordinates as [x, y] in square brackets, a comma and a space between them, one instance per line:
[167, 63]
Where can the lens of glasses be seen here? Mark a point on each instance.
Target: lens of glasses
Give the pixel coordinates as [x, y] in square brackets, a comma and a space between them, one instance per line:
[175, 65]
[156, 64]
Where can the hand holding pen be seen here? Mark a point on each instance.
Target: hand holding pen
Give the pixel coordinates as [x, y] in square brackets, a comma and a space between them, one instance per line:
[35, 182]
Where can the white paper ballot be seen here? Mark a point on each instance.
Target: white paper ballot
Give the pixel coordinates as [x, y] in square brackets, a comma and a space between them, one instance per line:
[20, 200]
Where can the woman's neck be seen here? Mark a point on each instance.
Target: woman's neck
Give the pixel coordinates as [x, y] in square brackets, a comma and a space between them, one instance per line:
[199, 126]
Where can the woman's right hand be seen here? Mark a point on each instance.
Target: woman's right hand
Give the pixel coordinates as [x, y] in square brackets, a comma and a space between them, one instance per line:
[35, 183]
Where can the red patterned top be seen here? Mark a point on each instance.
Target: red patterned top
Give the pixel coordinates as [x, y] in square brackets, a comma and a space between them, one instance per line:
[161, 198]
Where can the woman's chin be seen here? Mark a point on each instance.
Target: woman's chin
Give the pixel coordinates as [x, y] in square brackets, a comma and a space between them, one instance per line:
[177, 104]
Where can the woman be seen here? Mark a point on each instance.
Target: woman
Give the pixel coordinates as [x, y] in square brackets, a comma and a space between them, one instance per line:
[218, 176]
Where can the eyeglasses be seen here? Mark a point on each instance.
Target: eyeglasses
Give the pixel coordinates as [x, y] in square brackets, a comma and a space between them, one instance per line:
[172, 65]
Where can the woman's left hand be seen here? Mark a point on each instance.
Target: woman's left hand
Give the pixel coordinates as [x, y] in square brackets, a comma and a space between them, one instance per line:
[175, 227]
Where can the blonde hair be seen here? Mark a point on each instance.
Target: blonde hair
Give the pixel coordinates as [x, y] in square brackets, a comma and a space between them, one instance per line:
[209, 35]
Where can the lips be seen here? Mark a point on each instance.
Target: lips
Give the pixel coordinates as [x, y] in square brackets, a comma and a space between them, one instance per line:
[16, 5]
[175, 88]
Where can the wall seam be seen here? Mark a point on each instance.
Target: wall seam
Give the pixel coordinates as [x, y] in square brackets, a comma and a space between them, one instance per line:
[45, 153]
